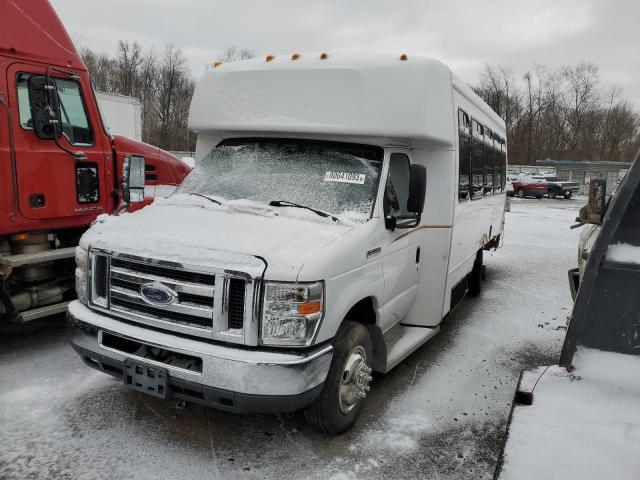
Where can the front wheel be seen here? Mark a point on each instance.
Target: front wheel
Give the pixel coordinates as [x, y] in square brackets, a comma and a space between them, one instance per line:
[347, 382]
[567, 195]
[552, 194]
[521, 193]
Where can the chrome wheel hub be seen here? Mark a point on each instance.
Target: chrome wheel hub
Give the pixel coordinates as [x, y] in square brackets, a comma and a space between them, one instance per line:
[354, 383]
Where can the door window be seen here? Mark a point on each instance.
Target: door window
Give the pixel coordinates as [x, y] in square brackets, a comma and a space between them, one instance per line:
[397, 188]
[75, 123]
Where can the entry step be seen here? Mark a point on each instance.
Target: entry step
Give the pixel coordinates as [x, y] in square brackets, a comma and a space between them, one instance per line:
[38, 257]
[403, 340]
[41, 312]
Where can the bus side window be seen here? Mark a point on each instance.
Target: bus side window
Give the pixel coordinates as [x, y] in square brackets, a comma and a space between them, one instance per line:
[477, 161]
[500, 168]
[488, 161]
[503, 156]
[464, 155]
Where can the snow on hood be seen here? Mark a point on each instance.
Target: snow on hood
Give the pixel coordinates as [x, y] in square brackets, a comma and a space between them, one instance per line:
[193, 230]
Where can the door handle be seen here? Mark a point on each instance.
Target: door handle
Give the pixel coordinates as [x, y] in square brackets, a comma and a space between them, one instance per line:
[418, 255]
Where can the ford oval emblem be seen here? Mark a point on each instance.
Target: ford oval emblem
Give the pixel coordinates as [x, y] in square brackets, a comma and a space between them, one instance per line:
[157, 293]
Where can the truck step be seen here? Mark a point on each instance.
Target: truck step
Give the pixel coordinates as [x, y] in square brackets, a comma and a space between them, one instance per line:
[41, 312]
[38, 257]
[403, 340]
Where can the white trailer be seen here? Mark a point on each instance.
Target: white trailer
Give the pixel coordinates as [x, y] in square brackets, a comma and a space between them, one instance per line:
[121, 114]
[338, 210]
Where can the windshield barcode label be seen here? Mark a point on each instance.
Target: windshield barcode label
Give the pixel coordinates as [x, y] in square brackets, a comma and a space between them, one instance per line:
[345, 177]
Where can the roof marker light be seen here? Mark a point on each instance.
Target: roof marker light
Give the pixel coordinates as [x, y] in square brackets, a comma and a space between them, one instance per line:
[216, 64]
[404, 57]
[295, 56]
[324, 56]
[270, 57]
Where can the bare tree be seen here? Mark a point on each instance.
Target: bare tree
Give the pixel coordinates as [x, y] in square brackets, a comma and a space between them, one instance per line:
[562, 114]
[235, 54]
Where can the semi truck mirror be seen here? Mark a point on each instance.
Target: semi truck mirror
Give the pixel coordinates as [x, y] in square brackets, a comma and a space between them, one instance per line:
[133, 179]
[597, 200]
[45, 108]
[417, 188]
[594, 210]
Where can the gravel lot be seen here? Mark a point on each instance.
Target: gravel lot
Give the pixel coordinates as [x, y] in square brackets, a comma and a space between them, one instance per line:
[440, 414]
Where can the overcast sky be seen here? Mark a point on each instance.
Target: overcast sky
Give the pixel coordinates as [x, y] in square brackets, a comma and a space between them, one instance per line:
[464, 34]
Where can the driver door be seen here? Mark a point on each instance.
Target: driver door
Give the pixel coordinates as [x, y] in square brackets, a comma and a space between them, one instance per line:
[400, 247]
[51, 182]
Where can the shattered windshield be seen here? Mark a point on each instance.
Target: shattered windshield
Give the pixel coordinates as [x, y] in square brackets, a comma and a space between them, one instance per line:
[339, 179]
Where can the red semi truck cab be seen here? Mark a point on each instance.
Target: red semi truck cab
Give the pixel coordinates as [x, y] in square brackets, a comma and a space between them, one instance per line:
[58, 174]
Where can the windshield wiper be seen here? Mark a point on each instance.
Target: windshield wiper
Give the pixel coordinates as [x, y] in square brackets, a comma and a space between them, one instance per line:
[284, 203]
[208, 198]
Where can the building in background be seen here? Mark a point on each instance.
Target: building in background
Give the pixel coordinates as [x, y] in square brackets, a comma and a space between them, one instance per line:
[528, 169]
[582, 171]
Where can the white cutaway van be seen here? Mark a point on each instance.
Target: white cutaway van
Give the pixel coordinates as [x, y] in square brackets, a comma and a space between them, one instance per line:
[338, 210]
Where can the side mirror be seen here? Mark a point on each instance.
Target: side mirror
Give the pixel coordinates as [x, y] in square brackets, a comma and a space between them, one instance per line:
[595, 209]
[45, 108]
[417, 189]
[133, 179]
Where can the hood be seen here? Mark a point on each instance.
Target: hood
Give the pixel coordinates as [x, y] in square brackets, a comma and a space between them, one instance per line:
[169, 168]
[192, 230]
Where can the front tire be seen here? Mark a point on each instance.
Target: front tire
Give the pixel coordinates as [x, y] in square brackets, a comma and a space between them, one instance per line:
[520, 193]
[567, 195]
[552, 194]
[347, 383]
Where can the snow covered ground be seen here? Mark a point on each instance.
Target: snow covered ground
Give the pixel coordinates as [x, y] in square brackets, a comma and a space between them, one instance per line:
[584, 424]
[440, 414]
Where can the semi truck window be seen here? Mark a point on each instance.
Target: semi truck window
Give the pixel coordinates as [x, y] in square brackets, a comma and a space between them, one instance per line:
[23, 103]
[464, 155]
[397, 187]
[477, 161]
[75, 123]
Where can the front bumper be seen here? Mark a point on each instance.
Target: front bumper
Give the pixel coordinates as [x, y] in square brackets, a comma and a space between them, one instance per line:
[230, 378]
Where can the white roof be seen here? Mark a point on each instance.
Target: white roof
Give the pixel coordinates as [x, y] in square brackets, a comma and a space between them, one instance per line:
[377, 96]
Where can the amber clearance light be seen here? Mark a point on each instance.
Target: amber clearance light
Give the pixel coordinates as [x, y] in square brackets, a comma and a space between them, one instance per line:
[309, 308]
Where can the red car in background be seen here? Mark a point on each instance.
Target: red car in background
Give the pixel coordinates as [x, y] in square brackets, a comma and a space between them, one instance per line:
[527, 186]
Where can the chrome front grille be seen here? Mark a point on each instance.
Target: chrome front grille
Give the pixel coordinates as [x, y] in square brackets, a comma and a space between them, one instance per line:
[204, 302]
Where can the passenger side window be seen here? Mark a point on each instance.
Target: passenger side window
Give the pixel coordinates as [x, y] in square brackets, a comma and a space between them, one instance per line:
[75, 123]
[464, 155]
[503, 156]
[488, 162]
[396, 191]
[477, 161]
[500, 169]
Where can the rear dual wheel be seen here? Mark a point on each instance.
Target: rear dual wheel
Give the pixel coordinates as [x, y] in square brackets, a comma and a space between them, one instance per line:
[347, 382]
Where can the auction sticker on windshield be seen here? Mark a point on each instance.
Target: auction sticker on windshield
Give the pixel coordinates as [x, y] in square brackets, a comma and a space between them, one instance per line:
[345, 177]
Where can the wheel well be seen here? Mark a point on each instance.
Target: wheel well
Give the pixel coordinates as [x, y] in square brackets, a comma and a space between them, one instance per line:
[362, 312]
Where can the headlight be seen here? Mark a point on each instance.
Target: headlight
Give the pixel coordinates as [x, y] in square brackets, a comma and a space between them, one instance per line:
[291, 312]
[82, 259]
